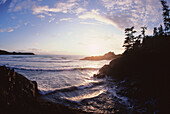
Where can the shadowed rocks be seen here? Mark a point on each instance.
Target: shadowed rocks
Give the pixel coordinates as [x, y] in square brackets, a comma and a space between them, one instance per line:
[20, 95]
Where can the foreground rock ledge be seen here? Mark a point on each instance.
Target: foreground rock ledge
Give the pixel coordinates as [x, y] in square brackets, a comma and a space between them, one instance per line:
[20, 95]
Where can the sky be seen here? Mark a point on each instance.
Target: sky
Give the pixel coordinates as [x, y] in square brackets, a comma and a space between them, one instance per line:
[73, 27]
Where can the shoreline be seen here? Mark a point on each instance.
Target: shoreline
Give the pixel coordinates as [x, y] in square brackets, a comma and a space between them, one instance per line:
[143, 70]
[3, 52]
[20, 95]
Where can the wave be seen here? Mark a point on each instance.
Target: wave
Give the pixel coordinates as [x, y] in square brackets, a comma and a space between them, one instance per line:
[55, 70]
[72, 88]
[53, 61]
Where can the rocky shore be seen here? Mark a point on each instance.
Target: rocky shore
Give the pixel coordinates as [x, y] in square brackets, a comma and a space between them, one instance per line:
[144, 76]
[20, 95]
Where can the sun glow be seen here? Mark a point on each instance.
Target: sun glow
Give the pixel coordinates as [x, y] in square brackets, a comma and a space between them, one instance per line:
[94, 49]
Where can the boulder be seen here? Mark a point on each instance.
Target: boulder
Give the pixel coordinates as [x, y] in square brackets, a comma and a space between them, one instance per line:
[15, 87]
[19, 95]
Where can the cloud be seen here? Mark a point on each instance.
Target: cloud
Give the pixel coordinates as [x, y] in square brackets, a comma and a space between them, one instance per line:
[80, 10]
[66, 19]
[126, 13]
[26, 23]
[19, 5]
[52, 19]
[63, 7]
[73, 0]
[2, 30]
[41, 16]
[10, 30]
[2, 2]
[70, 6]
[88, 23]
[94, 14]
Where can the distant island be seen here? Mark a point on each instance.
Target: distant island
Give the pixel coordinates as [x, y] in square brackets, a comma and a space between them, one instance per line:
[107, 56]
[3, 52]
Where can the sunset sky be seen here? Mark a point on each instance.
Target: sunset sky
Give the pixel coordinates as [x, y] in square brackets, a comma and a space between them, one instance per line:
[82, 27]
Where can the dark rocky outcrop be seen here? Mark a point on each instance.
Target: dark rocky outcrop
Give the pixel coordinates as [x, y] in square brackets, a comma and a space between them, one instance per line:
[107, 56]
[146, 74]
[20, 96]
[3, 52]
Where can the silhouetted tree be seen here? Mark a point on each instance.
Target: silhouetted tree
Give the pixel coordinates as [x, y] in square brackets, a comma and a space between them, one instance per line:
[143, 31]
[166, 17]
[130, 39]
[155, 32]
[137, 43]
[160, 31]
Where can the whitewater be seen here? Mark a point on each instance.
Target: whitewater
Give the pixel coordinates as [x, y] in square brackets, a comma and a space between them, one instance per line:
[67, 80]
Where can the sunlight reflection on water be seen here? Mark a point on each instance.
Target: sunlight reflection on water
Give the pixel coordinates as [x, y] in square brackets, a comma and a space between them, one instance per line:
[86, 96]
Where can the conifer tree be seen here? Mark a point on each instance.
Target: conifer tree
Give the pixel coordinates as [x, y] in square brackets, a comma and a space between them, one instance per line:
[143, 30]
[130, 38]
[160, 30]
[166, 17]
[155, 31]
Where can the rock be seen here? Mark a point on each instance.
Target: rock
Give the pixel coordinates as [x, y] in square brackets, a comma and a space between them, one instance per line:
[35, 88]
[99, 75]
[145, 72]
[19, 95]
[16, 86]
[107, 56]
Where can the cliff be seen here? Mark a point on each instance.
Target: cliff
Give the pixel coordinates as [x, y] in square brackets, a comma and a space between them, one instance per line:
[3, 52]
[20, 95]
[107, 56]
[144, 74]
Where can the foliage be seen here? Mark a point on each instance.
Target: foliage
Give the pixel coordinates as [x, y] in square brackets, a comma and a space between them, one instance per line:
[160, 38]
[130, 39]
[166, 18]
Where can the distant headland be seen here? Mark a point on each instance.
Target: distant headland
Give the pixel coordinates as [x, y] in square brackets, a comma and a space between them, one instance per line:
[107, 56]
[3, 52]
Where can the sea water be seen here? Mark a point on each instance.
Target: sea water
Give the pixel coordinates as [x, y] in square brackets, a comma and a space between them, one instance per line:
[67, 80]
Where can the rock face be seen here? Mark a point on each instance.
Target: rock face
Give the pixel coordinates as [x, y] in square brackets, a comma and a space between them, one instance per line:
[107, 56]
[2, 52]
[20, 96]
[16, 85]
[15, 89]
[149, 71]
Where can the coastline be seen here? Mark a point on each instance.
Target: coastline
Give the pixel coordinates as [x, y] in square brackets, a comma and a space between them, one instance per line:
[144, 70]
[3, 52]
[20, 95]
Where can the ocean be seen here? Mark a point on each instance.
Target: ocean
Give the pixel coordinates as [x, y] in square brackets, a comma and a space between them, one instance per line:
[67, 80]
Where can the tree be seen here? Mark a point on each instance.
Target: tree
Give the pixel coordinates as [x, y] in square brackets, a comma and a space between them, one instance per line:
[137, 43]
[155, 31]
[143, 30]
[166, 17]
[130, 38]
[160, 30]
